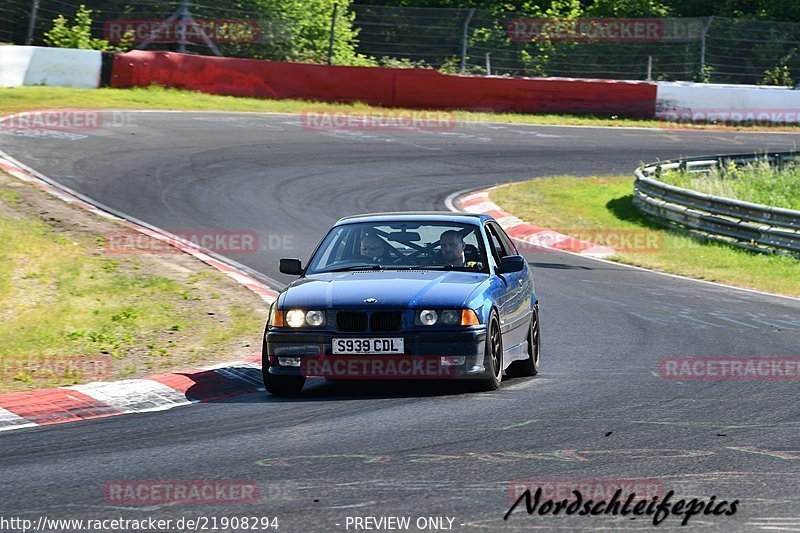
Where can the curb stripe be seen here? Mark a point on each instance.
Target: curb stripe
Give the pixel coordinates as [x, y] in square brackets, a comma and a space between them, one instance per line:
[530, 235]
[56, 406]
[9, 420]
[134, 395]
[208, 385]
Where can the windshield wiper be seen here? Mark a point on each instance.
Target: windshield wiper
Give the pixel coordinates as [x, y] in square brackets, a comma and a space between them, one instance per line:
[360, 267]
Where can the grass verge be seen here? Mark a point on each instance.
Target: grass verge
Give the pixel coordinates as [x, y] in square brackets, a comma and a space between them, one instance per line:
[32, 98]
[759, 183]
[72, 311]
[600, 209]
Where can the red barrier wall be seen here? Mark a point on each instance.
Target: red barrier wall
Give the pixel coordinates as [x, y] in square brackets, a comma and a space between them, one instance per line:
[388, 87]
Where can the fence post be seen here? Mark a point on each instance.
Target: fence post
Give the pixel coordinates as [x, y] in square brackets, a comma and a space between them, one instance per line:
[333, 33]
[32, 22]
[183, 18]
[703, 47]
[464, 40]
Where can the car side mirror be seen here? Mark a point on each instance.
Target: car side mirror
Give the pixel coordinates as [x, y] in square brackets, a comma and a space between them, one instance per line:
[291, 265]
[511, 263]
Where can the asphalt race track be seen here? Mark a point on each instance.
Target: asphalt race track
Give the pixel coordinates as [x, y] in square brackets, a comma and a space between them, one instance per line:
[597, 410]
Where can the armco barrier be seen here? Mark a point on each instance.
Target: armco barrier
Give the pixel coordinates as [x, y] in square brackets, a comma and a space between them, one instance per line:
[414, 88]
[60, 67]
[753, 226]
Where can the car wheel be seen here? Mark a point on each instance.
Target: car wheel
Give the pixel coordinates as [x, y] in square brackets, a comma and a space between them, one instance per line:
[283, 385]
[529, 366]
[493, 356]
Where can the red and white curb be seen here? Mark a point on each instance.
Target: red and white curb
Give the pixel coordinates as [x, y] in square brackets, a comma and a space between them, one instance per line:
[155, 393]
[529, 234]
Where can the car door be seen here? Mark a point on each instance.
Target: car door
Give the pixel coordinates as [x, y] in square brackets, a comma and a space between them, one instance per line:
[522, 304]
[512, 303]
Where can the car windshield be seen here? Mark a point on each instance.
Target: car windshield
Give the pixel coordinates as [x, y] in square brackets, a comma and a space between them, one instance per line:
[400, 245]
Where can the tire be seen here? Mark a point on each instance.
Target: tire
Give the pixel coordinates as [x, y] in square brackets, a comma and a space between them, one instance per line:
[283, 385]
[530, 366]
[493, 356]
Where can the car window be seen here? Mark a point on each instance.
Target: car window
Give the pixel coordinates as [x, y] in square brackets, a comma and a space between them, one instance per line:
[508, 244]
[401, 245]
[498, 249]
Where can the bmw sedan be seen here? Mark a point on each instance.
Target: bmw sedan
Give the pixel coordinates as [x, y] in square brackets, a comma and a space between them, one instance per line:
[405, 296]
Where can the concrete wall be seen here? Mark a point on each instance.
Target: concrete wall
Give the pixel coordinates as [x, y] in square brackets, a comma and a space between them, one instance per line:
[57, 67]
[706, 102]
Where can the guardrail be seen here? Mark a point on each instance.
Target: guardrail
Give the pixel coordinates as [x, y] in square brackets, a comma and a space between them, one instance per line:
[748, 225]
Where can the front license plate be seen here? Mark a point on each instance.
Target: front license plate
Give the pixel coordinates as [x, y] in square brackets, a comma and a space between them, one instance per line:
[370, 346]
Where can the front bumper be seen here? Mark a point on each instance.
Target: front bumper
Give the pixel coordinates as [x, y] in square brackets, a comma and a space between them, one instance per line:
[431, 355]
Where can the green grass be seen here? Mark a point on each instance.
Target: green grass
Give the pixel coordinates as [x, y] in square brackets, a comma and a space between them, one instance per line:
[31, 98]
[601, 208]
[759, 183]
[62, 298]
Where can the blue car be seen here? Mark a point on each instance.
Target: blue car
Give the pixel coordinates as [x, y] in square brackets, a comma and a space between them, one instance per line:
[405, 296]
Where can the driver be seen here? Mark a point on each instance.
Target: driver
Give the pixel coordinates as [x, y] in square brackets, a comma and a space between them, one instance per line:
[372, 246]
[453, 246]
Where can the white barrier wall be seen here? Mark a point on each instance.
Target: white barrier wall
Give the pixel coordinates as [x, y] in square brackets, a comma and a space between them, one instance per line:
[706, 102]
[59, 67]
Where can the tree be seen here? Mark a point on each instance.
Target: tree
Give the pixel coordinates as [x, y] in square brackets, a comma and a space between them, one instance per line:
[79, 35]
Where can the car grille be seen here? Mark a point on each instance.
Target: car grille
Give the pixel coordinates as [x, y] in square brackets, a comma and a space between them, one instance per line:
[351, 321]
[385, 320]
[357, 321]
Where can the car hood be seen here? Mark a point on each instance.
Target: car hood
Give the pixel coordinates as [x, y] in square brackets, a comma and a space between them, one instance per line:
[396, 289]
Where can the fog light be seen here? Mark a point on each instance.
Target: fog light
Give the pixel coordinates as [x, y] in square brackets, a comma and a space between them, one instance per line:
[453, 360]
[291, 361]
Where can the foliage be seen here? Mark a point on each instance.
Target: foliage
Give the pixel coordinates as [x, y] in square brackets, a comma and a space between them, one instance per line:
[758, 182]
[79, 35]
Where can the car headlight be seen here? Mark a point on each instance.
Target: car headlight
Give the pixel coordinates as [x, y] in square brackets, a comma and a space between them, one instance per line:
[450, 317]
[315, 318]
[446, 317]
[428, 317]
[297, 318]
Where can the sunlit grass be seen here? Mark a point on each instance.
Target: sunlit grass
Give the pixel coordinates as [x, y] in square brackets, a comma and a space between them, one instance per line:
[758, 182]
[584, 206]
